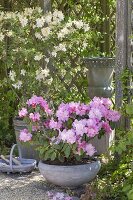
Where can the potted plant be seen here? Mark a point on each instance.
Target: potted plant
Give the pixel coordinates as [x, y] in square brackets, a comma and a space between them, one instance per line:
[64, 137]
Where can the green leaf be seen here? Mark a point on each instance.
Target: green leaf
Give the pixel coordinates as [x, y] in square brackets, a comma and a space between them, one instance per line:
[57, 147]
[130, 194]
[129, 109]
[48, 154]
[61, 157]
[65, 146]
[77, 157]
[42, 151]
[67, 151]
[53, 156]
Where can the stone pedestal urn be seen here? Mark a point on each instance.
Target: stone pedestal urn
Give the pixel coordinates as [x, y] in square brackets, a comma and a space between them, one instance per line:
[100, 76]
[69, 176]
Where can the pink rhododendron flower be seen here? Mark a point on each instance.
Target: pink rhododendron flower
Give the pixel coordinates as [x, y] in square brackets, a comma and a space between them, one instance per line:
[35, 100]
[71, 137]
[91, 122]
[106, 127]
[54, 124]
[59, 195]
[95, 114]
[68, 198]
[73, 107]
[79, 127]
[25, 136]
[23, 112]
[92, 131]
[35, 128]
[106, 102]
[63, 115]
[68, 136]
[90, 149]
[113, 115]
[82, 109]
[46, 124]
[95, 103]
[34, 116]
[81, 145]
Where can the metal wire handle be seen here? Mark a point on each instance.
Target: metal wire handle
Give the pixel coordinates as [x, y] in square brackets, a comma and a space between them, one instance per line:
[11, 155]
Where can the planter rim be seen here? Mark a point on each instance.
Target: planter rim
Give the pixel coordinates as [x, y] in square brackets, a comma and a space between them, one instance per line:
[17, 118]
[67, 166]
[99, 62]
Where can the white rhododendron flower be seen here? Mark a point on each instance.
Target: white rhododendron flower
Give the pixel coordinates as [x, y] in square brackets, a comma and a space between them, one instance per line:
[17, 85]
[61, 47]
[38, 57]
[42, 74]
[23, 20]
[79, 24]
[38, 35]
[54, 53]
[49, 81]
[9, 33]
[86, 27]
[45, 31]
[85, 44]
[12, 75]
[48, 18]
[1, 37]
[28, 11]
[23, 72]
[63, 32]
[58, 15]
[40, 22]
[47, 60]
[39, 10]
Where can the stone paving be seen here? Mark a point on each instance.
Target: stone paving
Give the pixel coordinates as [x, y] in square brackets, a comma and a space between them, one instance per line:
[30, 187]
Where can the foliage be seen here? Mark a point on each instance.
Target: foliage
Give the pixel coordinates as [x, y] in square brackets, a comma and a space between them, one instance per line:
[115, 179]
[66, 135]
[33, 47]
[35, 60]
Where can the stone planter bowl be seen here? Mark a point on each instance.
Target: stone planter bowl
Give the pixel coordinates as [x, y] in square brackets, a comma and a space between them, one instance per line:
[69, 176]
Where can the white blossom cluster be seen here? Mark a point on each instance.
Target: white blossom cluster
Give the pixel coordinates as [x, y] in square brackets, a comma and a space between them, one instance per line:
[41, 29]
[42, 74]
[17, 83]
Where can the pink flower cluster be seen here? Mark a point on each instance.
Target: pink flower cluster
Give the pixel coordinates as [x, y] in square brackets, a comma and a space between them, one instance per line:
[35, 100]
[25, 136]
[30, 113]
[73, 123]
[86, 120]
[65, 111]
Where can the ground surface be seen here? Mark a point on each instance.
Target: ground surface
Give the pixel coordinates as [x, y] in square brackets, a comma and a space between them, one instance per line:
[27, 187]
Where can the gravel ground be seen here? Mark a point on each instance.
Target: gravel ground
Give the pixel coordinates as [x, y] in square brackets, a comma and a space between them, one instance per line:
[28, 187]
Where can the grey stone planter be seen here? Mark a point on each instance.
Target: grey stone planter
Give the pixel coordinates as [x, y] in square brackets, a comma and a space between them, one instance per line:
[100, 76]
[69, 176]
[27, 150]
[104, 143]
